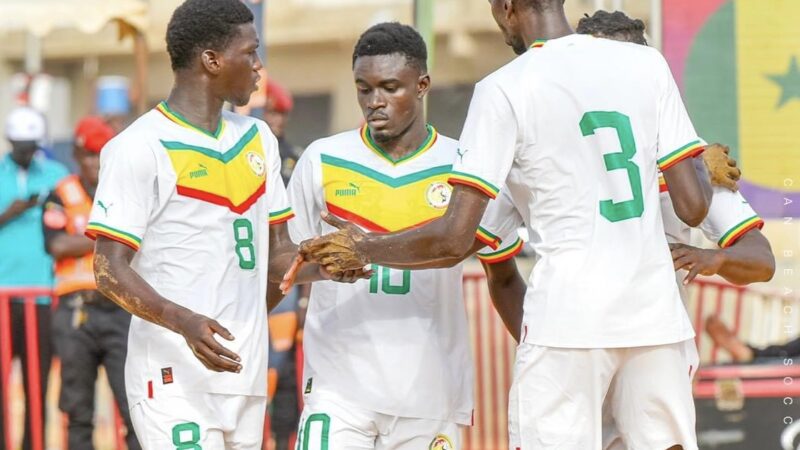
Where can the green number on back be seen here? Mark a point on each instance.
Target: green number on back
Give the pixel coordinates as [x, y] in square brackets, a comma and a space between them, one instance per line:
[305, 438]
[610, 209]
[384, 273]
[181, 443]
[243, 236]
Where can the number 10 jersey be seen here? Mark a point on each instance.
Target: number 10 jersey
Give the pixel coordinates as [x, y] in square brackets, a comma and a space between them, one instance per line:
[197, 207]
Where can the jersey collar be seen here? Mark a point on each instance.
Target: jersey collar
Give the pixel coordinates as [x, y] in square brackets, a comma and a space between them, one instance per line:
[366, 137]
[176, 117]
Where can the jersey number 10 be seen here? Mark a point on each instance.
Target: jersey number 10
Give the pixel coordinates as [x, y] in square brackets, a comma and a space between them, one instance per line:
[381, 277]
[628, 209]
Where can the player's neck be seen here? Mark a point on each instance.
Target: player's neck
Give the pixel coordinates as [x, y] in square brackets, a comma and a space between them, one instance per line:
[545, 25]
[407, 142]
[197, 104]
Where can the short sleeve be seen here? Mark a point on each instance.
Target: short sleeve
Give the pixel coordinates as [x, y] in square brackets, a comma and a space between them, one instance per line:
[502, 220]
[677, 139]
[280, 210]
[488, 141]
[126, 192]
[729, 217]
[303, 195]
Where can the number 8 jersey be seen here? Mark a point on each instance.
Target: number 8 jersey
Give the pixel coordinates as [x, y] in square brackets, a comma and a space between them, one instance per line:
[196, 207]
[578, 142]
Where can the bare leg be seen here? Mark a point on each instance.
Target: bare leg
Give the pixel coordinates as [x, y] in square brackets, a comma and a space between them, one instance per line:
[723, 337]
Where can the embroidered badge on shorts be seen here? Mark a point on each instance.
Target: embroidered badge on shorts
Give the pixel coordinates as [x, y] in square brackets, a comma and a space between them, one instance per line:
[166, 375]
[441, 442]
[308, 385]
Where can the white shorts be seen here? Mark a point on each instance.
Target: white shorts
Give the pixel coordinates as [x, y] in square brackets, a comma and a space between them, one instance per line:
[327, 424]
[612, 439]
[207, 421]
[557, 397]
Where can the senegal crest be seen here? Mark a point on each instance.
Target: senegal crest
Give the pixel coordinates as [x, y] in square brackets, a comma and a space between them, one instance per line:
[438, 194]
[256, 163]
[441, 442]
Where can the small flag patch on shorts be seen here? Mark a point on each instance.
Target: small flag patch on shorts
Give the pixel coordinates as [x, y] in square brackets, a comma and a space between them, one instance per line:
[308, 385]
[166, 375]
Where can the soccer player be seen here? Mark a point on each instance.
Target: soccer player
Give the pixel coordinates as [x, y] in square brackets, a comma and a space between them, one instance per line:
[189, 213]
[575, 128]
[387, 360]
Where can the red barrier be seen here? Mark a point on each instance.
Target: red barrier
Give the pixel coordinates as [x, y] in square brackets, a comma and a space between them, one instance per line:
[30, 314]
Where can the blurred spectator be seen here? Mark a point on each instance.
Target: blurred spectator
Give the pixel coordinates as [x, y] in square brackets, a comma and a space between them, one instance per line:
[89, 329]
[744, 353]
[26, 179]
[285, 318]
[276, 114]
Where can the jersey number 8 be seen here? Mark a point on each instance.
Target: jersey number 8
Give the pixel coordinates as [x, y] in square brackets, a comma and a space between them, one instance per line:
[243, 237]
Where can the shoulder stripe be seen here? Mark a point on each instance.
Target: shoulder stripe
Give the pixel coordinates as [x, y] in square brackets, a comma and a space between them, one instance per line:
[502, 254]
[691, 149]
[485, 236]
[226, 157]
[383, 178]
[739, 230]
[476, 182]
[95, 229]
[280, 216]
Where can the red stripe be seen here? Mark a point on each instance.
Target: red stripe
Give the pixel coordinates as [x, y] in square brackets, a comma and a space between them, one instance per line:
[758, 224]
[691, 154]
[149, 389]
[477, 186]
[768, 371]
[662, 187]
[753, 389]
[281, 220]
[92, 234]
[223, 201]
[355, 218]
[492, 243]
[34, 374]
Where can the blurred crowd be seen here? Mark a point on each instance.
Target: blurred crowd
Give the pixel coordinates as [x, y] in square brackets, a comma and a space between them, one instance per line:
[44, 210]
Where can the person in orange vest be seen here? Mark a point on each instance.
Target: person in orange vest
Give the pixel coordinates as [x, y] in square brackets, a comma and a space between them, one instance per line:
[89, 330]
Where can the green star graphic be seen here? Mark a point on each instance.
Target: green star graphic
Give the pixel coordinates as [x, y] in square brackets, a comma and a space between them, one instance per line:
[788, 82]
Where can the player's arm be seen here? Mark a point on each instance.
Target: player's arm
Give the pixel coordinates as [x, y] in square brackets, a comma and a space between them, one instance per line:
[441, 243]
[689, 189]
[748, 260]
[507, 290]
[120, 283]
[57, 242]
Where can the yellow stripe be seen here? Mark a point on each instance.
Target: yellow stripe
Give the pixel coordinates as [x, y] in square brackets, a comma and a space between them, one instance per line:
[476, 182]
[281, 216]
[95, 229]
[502, 255]
[736, 232]
[676, 156]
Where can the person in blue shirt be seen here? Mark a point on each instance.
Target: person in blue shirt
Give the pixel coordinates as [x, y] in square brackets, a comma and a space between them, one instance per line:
[26, 179]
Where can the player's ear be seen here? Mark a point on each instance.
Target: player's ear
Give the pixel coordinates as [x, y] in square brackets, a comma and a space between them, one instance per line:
[423, 85]
[211, 61]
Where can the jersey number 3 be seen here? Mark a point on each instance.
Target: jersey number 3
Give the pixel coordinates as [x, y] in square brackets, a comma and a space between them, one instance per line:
[628, 209]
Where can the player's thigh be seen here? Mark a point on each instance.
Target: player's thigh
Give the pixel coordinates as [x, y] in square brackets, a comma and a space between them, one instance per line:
[176, 423]
[424, 434]
[246, 430]
[557, 397]
[651, 400]
[328, 425]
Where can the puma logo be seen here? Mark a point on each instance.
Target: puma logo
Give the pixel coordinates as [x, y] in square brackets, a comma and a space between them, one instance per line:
[105, 208]
[461, 154]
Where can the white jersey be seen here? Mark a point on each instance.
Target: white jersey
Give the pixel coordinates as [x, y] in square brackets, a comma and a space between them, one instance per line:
[397, 344]
[729, 217]
[576, 129]
[196, 206]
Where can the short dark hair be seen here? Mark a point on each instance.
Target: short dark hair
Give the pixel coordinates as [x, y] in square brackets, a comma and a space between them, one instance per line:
[198, 25]
[614, 25]
[390, 38]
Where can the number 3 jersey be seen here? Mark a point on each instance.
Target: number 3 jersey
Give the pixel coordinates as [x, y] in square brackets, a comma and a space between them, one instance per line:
[575, 128]
[196, 207]
[398, 343]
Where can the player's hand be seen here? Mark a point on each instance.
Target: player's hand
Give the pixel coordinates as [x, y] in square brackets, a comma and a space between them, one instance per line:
[336, 252]
[721, 167]
[348, 276]
[199, 330]
[698, 261]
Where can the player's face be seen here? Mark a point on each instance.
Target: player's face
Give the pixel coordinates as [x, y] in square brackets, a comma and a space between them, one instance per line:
[390, 93]
[504, 14]
[88, 164]
[239, 65]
